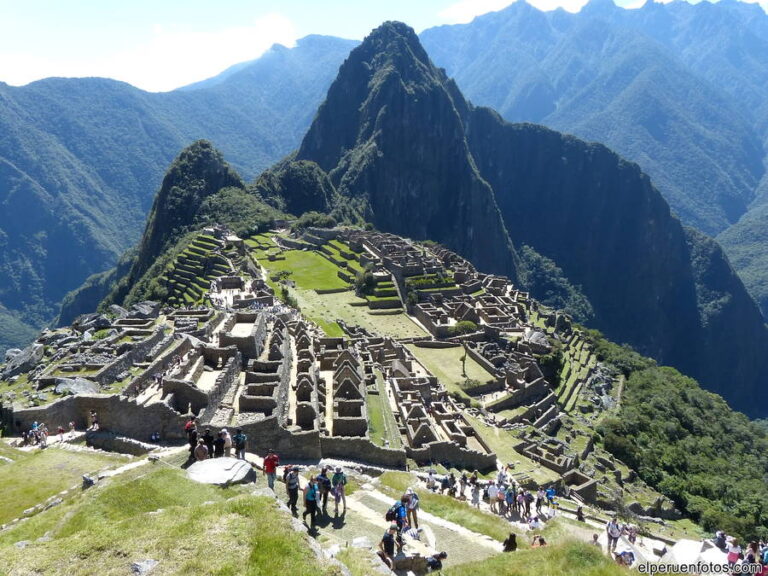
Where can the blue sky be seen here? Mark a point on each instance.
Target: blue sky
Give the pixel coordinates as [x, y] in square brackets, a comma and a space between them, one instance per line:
[159, 45]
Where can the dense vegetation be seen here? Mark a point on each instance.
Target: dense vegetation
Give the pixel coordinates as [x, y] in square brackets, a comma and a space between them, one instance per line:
[688, 444]
[546, 279]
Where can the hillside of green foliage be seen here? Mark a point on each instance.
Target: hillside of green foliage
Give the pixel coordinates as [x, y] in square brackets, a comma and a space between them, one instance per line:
[688, 444]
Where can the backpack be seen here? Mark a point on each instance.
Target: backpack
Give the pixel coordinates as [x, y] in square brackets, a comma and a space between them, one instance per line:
[391, 514]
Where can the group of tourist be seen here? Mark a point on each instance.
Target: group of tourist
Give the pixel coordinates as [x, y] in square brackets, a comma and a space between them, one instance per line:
[756, 552]
[202, 447]
[316, 492]
[403, 516]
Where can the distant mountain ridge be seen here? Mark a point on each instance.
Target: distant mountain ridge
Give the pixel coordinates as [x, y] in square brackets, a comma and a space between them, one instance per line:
[81, 158]
[681, 89]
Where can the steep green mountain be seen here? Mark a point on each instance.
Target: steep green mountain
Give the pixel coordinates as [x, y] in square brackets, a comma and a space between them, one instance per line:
[199, 188]
[376, 134]
[405, 150]
[80, 159]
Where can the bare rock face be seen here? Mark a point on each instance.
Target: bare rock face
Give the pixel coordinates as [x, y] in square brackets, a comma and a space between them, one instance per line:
[222, 472]
[23, 361]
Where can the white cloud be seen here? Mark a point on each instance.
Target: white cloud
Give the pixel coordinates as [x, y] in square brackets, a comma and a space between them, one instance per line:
[172, 57]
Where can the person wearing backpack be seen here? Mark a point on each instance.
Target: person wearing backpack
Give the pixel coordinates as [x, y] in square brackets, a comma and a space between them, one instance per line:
[239, 441]
[325, 488]
[339, 481]
[311, 496]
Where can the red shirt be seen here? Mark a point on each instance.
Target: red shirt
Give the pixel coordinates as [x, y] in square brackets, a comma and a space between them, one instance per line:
[270, 464]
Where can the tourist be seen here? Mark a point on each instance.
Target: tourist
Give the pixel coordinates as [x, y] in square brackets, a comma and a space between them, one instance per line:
[201, 451]
[239, 440]
[520, 500]
[208, 439]
[613, 530]
[550, 494]
[431, 481]
[510, 543]
[387, 546]
[412, 508]
[94, 420]
[538, 541]
[734, 553]
[625, 558]
[401, 519]
[435, 562]
[218, 446]
[227, 443]
[720, 541]
[60, 432]
[325, 488]
[534, 523]
[527, 501]
[631, 534]
[476, 495]
[71, 428]
[509, 498]
[192, 439]
[291, 479]
[595, 541]
[271, 461]
[580, 515]
[444, 484]
[339, 481]
[311, 495]
[155, 438]
[540, 497]
[463, 481]
[752, 554]
[493, 497]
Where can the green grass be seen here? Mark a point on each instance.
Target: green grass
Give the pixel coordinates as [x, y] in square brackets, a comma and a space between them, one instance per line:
[309, 270]
[560, 558]
[502, 443]
[447, 507]
[330, 328]
[445, 363]
[157, 513]
[329, 307]
[381, 421]
[37, 475]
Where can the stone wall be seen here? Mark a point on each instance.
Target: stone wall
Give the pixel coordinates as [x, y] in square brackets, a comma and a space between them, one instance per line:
[446, 452]
[185, 395]
[362, 450]
[117, 414]
[160, 365]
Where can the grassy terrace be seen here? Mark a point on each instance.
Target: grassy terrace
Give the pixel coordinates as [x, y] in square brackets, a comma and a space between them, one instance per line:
[309, 270]
[329, 307]
[34, 476]
[155, 512]
[445, 363]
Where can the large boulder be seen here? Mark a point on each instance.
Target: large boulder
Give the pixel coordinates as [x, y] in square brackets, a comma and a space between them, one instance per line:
[222, 471]
[75, 386]
[24, 361]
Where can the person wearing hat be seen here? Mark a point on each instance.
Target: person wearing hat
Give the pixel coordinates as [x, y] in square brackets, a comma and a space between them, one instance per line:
[339, 481]
[387, 546]
[271, 460]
